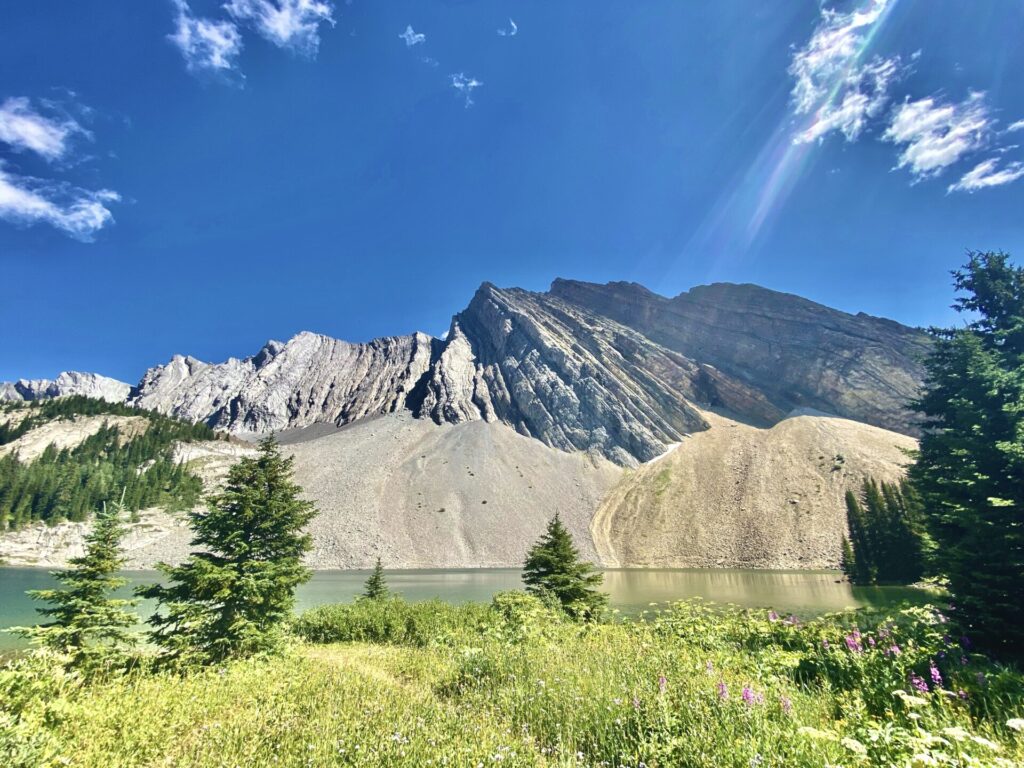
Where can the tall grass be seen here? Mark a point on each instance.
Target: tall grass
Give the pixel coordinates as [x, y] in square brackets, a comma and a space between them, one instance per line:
[514, 683]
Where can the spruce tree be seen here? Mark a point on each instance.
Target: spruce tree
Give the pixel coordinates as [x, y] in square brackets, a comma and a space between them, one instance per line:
[970, 465]
[89, 626]
[232, 595]
[553, 567]
[376, 588]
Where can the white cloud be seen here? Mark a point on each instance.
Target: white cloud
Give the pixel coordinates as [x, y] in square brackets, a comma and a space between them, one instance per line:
[412, 38]
[936, 135]
[293, 24]
[831, 85]
[1017, 126]
[988, 174]
[465, 86]
[77, 212]
[511, 31]
[24, 128]
[206, 44]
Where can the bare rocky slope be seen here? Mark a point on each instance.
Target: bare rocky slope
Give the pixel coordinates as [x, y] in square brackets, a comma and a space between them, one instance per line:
[742, 496]
[537, 402]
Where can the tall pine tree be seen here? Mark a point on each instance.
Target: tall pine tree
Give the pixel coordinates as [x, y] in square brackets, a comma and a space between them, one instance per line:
[89, 626]
[970, 467]
[230, 598]
[376, 588]
[553, 567]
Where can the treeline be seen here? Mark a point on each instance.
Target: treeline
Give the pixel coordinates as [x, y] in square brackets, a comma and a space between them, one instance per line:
[887, 540]
[70, 483]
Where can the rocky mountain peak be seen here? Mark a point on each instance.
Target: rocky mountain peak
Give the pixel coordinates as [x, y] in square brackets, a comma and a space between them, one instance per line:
[66, 383]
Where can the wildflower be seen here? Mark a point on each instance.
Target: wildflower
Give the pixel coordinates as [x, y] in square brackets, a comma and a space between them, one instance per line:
[963, 661]
[709, 667]
[936, 675]
[893, 650]
[965, 641]
[814, 733]
[981, 740]
[918, 683]
[871, 642]
[824, 644]
[773, 616]
[662, 684]
[723, 690]
[793, 620]
[956, 733]
[787, 705]
[1015, 724]
[962, 694]
[855, 746]
[756, 760]
[751, 697]
[853, 642]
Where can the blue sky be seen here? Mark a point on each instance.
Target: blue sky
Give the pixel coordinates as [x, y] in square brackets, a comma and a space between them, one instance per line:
[199, 178]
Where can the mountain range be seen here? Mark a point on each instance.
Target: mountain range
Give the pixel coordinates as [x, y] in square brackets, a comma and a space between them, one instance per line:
[718, 427]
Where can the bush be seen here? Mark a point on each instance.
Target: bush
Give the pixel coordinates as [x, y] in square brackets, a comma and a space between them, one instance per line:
[391, 622]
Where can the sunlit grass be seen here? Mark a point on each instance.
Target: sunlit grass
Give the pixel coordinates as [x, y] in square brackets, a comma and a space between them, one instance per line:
[518, 686]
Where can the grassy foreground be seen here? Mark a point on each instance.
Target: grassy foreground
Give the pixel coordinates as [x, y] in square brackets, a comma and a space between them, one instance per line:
[514, 684]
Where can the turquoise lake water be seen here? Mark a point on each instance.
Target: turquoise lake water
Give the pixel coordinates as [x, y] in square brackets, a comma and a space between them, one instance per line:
[805, 593]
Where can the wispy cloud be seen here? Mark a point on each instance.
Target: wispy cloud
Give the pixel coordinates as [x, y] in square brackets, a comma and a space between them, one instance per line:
[988, 174]
[936, 135]
[292, 24]
[23, 127]
[1017, 126]
[465, 86]
[833, 87]
[207, 44]
[412, 38]
[510, 31]
[78, 212]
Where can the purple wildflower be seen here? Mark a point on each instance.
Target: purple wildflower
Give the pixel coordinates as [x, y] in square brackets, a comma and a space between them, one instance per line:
[773, 616]
[787, 705]
[962, 694]
[662, 684]
[871, 642]
[918, 683]
[893, 650]
[853, 642]
[793, 620]
[965, 641]
[936, 675]
[963, 661]
[748, 696]
[709, 667]
[723, 690]
[824, 644]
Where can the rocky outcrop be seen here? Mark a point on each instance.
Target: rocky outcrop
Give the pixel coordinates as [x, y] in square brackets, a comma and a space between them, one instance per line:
[67, 383]
[310, 379]
[614, 370]
[794, 351]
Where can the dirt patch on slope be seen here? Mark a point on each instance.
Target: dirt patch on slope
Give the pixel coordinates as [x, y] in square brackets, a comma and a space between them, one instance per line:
[739, 496]
[421, 495]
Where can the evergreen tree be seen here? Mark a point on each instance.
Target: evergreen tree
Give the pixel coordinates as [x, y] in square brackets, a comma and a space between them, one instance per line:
[376, 587]
[553, 567]
[886, 542]
[88, 625]
[230, 598]
[970, 465]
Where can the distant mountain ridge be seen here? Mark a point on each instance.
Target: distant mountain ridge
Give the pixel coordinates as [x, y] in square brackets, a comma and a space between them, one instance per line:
[612, 369]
